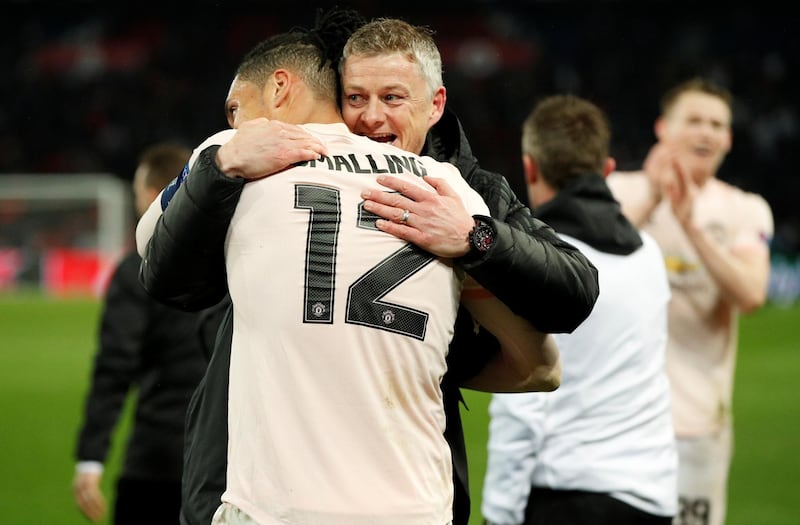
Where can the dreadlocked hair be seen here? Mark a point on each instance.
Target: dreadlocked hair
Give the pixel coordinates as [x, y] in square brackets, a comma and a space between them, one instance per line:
[313, 54]
[332, 28]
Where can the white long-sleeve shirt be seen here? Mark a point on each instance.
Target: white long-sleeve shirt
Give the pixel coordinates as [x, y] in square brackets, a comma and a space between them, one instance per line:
[608, 427]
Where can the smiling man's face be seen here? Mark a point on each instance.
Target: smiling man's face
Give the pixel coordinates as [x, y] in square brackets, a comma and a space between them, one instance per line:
[386, 98]
[698, 126]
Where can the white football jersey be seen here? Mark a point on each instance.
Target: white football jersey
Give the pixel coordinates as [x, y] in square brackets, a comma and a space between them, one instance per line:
[339, 345]
[703, 323]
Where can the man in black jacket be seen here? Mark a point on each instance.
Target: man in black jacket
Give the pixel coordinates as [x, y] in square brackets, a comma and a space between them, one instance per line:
[540, 277]
[151, 347]
[394, 93]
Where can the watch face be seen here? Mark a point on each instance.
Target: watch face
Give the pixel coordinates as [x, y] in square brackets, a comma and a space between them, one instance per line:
[482, 237]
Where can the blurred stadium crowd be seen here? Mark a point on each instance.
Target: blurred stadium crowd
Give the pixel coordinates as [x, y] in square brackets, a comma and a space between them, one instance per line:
[87, 85]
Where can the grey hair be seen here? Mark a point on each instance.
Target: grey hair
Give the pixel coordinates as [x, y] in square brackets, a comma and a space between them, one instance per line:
[384, 36]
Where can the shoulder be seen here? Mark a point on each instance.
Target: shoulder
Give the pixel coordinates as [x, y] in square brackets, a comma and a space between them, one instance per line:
[748, 206]
[752, 200]
[333, 130]
[216, 139]
[652, 250]
[627, 179]
[649, 242]
[126, 273]
[629, 186]
[130, 260]
[439, 168]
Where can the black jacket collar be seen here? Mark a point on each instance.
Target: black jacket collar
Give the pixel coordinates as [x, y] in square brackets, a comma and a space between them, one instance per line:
[447, 142]
[587, 211]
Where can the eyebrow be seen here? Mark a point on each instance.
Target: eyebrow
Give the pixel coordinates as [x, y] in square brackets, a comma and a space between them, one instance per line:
[389, 87]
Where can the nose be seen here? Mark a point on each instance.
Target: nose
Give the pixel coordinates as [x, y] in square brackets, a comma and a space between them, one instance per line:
[373, 115]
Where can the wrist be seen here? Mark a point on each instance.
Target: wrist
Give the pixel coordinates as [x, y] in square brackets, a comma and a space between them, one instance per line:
[89, 466]
[225, 159]
[655, 194]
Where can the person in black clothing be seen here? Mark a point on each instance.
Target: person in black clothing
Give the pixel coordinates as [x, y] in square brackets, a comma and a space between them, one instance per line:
[526, 261]
[147, 346]
[394, 92]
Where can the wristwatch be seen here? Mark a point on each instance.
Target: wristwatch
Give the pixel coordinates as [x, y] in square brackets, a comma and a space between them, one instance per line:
[481, 237]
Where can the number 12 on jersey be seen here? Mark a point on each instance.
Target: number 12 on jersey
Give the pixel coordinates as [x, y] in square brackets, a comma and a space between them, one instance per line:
[364, 296]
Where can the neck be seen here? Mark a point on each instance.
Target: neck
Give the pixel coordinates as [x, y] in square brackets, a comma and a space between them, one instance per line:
[306, 109]
[540, 193]
[702, 178]
[324, 114]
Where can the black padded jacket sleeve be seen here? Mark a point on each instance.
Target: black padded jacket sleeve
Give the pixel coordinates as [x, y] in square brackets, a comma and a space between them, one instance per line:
[184, 264]
[534, 272]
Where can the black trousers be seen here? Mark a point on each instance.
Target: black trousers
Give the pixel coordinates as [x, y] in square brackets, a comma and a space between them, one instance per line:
[576, 507]
[147, 502]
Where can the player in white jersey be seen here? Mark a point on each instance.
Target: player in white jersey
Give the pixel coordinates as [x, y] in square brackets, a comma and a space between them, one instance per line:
[715, 239]
[340, 330]
[339, 344]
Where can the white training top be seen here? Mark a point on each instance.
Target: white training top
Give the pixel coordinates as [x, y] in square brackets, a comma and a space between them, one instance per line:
[339, 344]
[608, 426]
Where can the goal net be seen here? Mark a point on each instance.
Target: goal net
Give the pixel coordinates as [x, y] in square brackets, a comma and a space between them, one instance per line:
[62, 233]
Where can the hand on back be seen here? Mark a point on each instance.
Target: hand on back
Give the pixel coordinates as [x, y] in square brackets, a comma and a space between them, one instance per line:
[437, 220]
[262, 147]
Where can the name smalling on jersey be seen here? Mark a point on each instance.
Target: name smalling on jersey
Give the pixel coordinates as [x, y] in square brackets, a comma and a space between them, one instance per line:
[367, 163]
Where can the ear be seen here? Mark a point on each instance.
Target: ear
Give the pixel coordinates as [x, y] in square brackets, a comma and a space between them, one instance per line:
[530, 169]
[660, 127]
[280, 87]
[728, 141]
[439, 101]
[611, 165]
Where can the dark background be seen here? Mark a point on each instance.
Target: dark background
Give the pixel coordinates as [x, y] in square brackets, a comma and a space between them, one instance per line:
[87, 85]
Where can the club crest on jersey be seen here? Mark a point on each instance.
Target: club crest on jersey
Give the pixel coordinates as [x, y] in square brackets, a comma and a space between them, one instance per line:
[318, 309]
[387, 316]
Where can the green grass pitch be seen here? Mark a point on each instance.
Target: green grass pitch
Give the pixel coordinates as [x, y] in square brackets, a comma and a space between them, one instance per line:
[46, 347]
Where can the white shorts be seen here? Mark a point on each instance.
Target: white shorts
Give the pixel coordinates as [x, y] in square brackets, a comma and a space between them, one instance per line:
[703, 466]
[227, 514]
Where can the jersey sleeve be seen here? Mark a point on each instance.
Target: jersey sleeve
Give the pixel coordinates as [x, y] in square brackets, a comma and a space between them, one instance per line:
[757, 226]
[629, 187]
[147, 222]
[217, 139]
